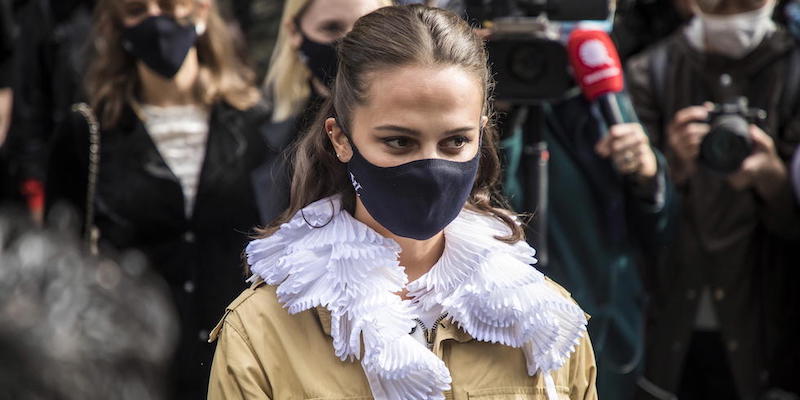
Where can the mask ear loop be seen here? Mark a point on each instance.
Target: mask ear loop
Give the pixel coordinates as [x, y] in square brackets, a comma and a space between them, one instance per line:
[333, 214]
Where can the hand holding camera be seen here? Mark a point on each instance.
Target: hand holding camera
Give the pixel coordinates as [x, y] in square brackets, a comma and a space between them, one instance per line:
[763, 168]
[684, 136]
[724, 138]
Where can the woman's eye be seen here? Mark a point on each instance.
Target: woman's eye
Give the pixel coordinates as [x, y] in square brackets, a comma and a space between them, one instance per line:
[333, 28]
[456, 142]
[397, 142]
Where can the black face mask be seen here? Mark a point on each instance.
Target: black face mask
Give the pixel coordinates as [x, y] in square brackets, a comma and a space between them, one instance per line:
[161, 43]
[415, 200]
[320, 58]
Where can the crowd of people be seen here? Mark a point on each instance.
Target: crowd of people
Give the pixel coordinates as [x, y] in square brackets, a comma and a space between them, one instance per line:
[202, 138]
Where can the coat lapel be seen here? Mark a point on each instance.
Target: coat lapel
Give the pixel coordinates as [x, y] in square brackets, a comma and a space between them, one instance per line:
[152, 161]
[226, 147]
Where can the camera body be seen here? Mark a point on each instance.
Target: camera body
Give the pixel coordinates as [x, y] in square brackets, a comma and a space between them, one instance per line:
[529, 65]
[728, 142]
[529, 61]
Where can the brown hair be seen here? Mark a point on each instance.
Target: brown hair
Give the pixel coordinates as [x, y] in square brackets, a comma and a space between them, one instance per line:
[387, 38]
[112, 79]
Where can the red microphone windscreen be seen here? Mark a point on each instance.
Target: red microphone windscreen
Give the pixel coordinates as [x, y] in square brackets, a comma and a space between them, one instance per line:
[595, 60]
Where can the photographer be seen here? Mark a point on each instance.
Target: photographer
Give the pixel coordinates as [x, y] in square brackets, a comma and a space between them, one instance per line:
[719, 97]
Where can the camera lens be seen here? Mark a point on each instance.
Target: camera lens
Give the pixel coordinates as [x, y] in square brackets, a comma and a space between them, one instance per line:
[727, 144]
[526, 63]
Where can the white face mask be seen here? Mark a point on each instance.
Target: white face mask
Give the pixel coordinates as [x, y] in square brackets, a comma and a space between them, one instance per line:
[734, 35]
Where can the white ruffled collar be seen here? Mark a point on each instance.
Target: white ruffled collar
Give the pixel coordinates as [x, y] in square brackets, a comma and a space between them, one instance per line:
[325, 257]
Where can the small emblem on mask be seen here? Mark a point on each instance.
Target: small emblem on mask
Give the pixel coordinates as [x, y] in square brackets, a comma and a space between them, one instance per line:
[356, 185]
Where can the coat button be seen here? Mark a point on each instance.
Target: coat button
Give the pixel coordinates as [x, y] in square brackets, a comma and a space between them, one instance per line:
[719, 294]
[188, 237]
[691, 294]
[188, 287]
[203, 335]
[733, 345]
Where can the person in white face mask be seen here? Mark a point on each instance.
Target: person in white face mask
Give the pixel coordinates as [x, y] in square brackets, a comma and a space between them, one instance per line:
[727, 30]
[720, 326]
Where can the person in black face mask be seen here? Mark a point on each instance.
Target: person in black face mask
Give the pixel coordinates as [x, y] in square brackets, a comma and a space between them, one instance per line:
[169, 172]
[304, 61]
[302, 67]
[397, 248]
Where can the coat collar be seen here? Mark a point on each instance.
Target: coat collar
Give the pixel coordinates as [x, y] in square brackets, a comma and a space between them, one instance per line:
[323, 258]
[324, 317]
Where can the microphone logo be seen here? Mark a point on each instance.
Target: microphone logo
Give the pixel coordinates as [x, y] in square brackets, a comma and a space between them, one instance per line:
[593, 53]
[595, 63]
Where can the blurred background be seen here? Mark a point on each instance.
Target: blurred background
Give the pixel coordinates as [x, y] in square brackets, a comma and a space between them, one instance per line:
[142, 141]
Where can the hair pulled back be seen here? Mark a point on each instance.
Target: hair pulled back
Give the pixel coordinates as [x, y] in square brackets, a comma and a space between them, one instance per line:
[388, 38]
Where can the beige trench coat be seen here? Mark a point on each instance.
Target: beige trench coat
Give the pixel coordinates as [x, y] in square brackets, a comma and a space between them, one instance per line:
[263, 352]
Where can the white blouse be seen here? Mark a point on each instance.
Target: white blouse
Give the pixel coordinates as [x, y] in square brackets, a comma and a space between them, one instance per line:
[180, 134]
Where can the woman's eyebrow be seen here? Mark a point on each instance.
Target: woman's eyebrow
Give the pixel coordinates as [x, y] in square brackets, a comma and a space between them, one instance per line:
[460, 130]
[395, 128]
[413, 132]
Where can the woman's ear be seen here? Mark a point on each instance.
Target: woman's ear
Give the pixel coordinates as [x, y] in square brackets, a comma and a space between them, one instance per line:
[484, 122]
[201, 10]
[294, 36]
[341, 145]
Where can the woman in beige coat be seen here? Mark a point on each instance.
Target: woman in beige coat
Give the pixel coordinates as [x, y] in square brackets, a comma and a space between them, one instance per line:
[397, 272]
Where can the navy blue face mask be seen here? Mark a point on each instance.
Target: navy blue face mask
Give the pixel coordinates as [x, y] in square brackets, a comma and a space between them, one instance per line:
[416, 200]
[161, 43]
[320, 58]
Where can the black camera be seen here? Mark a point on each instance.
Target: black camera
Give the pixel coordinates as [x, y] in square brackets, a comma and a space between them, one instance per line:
[529, 63]
[728, 142]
